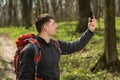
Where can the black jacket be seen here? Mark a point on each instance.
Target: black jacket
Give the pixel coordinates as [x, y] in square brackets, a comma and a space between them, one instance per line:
[48, 68]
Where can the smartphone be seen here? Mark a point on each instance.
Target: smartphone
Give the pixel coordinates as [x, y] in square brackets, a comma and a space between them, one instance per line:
[91, 15]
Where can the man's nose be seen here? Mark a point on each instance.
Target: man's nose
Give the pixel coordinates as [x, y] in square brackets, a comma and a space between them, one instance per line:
[56, 25]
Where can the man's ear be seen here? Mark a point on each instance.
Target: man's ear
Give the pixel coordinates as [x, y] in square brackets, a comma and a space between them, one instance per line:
[44, 28]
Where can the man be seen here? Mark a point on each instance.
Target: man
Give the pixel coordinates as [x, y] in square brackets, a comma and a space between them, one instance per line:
[48, 67]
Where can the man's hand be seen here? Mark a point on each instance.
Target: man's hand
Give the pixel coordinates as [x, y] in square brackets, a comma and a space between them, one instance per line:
[92, 24]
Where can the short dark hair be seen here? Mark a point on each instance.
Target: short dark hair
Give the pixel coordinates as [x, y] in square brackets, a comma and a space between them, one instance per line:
[41, 20]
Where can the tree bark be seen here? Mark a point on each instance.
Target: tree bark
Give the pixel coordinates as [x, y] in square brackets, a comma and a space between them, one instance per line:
[110, 32]
[118, 8]
[44, 6]
[27, 13]
[10, 13]
[55, 5]
[84, 9]
[38, 7]
[15, 10]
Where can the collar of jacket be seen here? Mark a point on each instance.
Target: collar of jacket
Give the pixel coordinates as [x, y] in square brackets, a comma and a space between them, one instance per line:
[43, 42]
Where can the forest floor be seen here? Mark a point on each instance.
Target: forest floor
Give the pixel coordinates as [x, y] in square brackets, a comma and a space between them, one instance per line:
[7, 51]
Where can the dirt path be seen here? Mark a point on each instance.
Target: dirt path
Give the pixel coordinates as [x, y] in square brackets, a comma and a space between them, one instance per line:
[7, 50]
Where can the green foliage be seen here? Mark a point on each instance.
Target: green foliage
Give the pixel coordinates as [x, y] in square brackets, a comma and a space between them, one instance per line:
[77, 66]
[14, 32]
[118, 23]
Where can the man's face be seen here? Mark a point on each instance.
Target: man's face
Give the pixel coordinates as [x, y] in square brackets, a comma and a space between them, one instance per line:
[51, 27]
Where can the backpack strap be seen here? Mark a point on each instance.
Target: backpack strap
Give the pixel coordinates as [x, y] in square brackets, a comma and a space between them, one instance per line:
[57, 45]
[17, 63]
[37, 56]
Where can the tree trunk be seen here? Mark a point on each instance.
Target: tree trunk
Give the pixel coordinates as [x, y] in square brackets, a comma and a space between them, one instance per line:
[61, 11]
[10, 13]
[15, 17]
[2, 16]
[110, 32]
[109, 60]
[44, 6]
[118, 8]
[55, 5]
[27, 13]
[38, 7]
[84, 9]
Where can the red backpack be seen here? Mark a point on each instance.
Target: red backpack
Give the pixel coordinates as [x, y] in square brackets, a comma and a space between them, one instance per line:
[21, 42]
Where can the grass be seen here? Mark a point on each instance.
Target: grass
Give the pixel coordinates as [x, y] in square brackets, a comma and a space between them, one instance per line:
[14, 32]
[77, 66]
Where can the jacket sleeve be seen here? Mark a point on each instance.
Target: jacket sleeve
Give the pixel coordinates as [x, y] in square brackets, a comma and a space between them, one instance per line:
[71, 47]
[27, 63]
